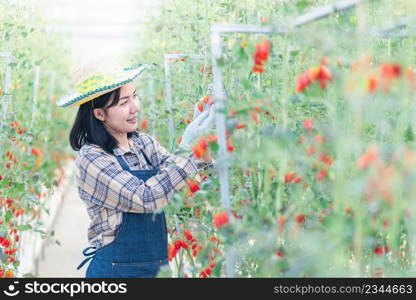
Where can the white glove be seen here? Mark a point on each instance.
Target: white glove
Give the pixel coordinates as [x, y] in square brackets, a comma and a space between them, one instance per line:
[198, 127]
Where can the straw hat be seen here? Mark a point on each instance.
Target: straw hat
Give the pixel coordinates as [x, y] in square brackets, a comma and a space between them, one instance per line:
[98, 78]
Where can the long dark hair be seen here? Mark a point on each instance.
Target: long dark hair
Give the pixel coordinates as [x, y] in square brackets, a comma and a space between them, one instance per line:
[88, 129]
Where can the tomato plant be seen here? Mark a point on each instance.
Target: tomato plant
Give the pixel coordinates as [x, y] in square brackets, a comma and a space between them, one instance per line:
[33, 154]
[319, 136]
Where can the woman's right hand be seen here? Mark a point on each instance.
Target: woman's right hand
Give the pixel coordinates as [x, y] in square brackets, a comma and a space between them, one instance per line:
[198, 127]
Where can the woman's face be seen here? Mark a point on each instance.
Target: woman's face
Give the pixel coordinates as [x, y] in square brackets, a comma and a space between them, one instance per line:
[122, 118]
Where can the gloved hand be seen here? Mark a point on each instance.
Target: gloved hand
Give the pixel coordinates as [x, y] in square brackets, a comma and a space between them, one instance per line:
[198, 127]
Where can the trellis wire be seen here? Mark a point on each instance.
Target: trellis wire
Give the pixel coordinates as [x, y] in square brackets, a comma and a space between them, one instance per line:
[6, 90]
[388, 31]
[35, 93]
[151, 96]
[6, 81]
[5, 98]
[325, 11]
[179, 231]
[167, 58]
[51, 91]
[220, 99]
[400, 25]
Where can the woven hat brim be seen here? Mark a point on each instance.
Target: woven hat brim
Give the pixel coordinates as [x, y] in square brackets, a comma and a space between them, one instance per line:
[76, 99]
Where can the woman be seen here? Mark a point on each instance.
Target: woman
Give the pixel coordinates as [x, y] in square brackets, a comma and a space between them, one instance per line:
[125, 177]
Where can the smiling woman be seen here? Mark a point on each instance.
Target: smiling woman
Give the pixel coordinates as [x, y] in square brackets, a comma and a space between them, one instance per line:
[125, 177]
[88, 128]
[120, 117]
[113, 100]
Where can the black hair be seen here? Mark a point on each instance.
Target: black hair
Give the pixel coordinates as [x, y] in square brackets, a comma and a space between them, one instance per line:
[88, 129]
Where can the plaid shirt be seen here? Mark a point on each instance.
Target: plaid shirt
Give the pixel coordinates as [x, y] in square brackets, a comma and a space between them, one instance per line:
[108, 190]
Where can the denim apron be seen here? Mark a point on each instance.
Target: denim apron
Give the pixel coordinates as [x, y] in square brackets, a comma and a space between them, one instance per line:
[140, 247]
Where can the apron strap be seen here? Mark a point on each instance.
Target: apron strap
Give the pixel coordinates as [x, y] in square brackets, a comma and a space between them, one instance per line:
[89, 255]
[146, 158]
[124, 164]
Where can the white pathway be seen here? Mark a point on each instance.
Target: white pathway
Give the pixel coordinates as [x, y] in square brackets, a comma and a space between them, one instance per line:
[71, 224]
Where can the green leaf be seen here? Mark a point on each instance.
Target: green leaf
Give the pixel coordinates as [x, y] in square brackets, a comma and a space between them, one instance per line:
[222, 111]
[3, 183]
[246, 84]
[409, 135]
[302, 5]
[242, 54]
[214, 147]
[24, 227]
[18, 187]
[9, 216]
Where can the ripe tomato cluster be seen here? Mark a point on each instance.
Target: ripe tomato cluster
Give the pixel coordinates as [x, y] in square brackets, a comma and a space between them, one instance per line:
[320, 73]
[202, 146]
[261, 56]
[190, 243]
